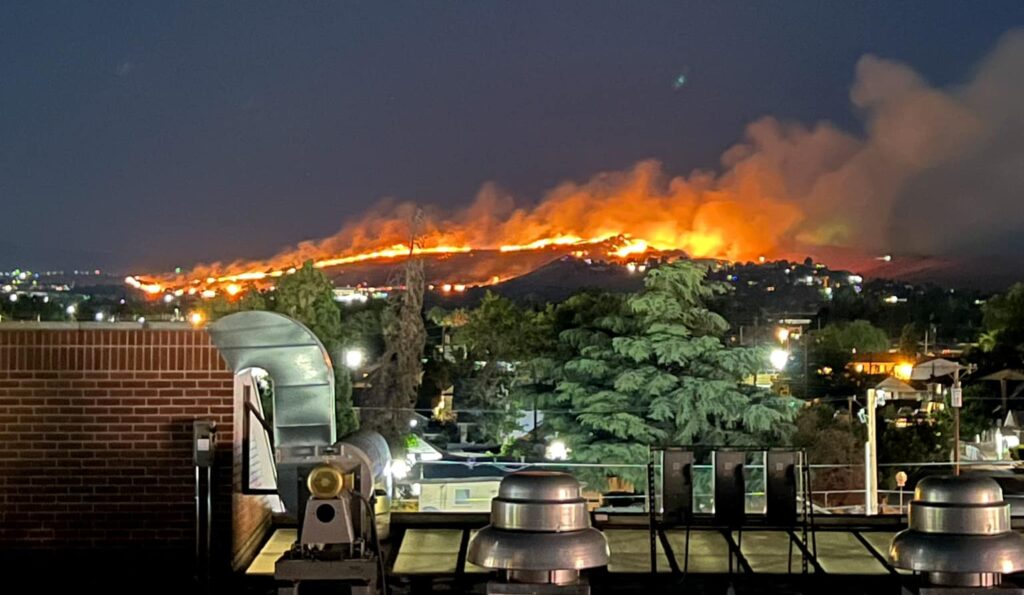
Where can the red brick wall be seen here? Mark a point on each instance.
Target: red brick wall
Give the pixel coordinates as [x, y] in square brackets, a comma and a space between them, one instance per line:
[96, 435]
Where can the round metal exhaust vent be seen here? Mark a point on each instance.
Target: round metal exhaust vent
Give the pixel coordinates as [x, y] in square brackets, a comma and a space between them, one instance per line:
[540, 531]
[959, 533]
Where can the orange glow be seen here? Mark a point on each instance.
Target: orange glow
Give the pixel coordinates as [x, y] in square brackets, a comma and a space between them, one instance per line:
[903, 370]
[195, 318]
[150, 288]
[233, 289]
[546, 242]
[630, 247]
[613, 216]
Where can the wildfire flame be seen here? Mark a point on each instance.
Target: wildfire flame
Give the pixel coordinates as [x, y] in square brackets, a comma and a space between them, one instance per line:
[618, 216]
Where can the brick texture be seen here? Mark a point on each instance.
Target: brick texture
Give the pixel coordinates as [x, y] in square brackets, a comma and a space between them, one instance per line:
[96, 438]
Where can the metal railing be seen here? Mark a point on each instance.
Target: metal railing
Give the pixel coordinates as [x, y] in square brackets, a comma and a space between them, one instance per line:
[467, 486]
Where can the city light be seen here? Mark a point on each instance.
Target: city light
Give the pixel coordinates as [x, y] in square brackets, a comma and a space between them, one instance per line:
[98, 317]
[778, 358]
[556, 451]
[14, 297]
[782, 334]
[354, 358]
[399, 469]
[233, 289]
[903, 370]
[71, 310]
[195, 318]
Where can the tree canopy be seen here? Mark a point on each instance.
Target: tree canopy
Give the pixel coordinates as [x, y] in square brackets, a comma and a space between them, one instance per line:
[308, 296]
[835, 344]
[651, 369]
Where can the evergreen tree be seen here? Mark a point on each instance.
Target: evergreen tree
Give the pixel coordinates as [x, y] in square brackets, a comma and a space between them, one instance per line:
[651, 369]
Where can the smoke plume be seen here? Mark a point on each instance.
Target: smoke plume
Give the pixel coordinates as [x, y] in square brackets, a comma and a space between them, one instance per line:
[935, 171]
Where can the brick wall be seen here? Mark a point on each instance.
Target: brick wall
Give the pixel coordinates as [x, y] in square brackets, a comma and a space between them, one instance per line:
[96, 437]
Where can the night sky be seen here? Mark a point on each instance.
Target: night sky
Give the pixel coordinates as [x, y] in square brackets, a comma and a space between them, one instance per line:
[160, 134]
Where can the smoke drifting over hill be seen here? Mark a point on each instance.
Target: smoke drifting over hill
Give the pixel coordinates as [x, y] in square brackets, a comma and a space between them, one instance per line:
[936, 171]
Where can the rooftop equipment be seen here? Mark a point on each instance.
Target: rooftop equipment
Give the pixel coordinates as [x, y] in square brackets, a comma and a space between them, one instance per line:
[328, 486]
[959, 536]
[539, 537]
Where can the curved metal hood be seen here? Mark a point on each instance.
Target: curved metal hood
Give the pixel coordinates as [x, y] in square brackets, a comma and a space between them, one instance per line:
[297, 363]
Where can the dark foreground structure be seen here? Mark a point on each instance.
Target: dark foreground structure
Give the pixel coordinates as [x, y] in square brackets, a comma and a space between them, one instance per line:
[110, 484]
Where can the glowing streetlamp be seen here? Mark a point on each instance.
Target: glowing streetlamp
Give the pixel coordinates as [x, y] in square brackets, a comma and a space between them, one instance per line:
[778, 358]
[557, 451]
[399, 469]
[354, 358]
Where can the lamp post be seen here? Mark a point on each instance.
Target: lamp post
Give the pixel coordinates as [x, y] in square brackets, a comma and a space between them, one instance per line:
[871, 459]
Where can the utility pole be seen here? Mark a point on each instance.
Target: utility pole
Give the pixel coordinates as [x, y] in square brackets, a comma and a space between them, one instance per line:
[957, 401]
[871, 460]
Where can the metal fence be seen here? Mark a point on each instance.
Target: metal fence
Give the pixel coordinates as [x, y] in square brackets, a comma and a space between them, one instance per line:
[467, 486]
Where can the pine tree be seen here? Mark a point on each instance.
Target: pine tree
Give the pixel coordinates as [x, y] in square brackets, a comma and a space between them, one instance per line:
[651, 369]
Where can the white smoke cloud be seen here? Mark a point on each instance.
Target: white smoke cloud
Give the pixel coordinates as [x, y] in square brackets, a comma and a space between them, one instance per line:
[937, 171]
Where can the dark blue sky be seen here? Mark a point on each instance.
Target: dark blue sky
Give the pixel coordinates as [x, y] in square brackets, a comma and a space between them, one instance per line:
[156, 134]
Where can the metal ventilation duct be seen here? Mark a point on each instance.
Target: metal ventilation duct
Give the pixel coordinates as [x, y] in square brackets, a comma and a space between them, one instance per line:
[298, 364]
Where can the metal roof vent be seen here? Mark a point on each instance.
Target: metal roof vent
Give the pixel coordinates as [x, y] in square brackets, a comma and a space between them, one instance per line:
[959, 533]
[539, 534]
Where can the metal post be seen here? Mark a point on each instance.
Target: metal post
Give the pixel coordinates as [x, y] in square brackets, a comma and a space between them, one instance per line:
[871, 460]
[956, 400]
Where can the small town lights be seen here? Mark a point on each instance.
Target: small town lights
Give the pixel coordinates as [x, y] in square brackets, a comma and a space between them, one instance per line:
[195, 318]
[71, 310]
[14, 297]
[168, 298]
[98, 317]
[782, 334]
[354, 358]
[233, 289]
[778, 358]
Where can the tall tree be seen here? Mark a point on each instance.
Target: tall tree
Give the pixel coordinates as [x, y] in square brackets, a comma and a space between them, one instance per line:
[835, 344]
[395, 381]
[1003, 318]
[502, 345]
[652, 370]
[308, 296]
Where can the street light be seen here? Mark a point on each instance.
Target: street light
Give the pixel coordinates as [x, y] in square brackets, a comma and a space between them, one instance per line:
[556, 451]
[399, 469]
[778, 359]
[782, 334]
[354, 358]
